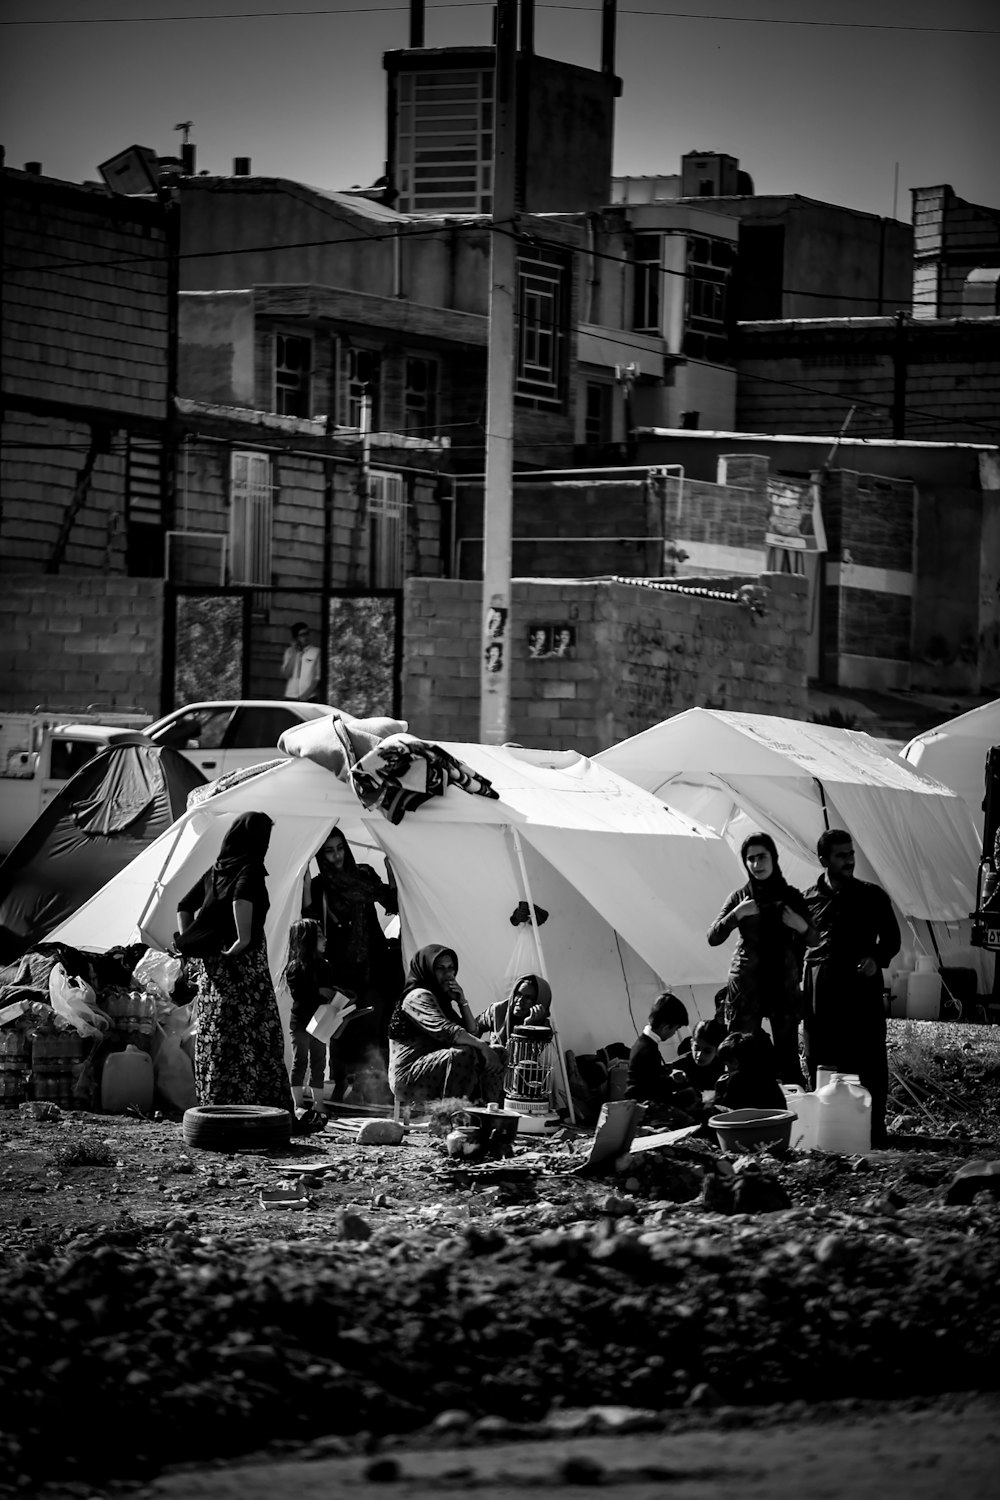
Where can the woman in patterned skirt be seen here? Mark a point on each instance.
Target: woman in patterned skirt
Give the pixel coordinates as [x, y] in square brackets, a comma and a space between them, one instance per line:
[240, 1049]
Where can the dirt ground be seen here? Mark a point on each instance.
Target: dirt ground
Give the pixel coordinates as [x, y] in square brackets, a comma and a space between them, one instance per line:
[882, 1451]
[513, 1327]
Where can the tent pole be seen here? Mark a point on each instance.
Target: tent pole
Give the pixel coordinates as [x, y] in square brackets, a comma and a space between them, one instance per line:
[541, 964]
[157, 886]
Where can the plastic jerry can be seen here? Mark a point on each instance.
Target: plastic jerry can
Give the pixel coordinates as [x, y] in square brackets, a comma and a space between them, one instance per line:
[127, 1081]
[923, 991]
[844, 1117]
[806, 1109]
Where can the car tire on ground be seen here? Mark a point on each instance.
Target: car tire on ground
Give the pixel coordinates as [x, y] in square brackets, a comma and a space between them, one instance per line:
[236, 1127]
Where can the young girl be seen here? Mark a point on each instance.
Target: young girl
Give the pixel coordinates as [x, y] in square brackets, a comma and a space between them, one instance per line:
[310, 982]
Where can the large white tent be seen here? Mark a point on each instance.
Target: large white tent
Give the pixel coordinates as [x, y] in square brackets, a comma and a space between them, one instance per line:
[955, 753]
[629, 884]
[742, 772]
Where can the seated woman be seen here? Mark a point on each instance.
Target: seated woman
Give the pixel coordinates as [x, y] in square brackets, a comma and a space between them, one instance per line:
[750, 1080]
[528, 1004]
[434, 1050]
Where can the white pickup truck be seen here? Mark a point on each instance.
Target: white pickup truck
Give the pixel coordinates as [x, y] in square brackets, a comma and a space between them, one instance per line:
[40, 751]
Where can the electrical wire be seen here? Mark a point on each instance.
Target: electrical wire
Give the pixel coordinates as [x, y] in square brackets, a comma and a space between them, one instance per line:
[658, 15]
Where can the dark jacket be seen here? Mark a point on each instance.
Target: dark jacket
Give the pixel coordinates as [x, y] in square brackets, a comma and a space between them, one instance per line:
[648, 1075]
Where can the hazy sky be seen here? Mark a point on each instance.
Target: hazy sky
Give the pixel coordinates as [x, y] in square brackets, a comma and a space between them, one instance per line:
[826, 110]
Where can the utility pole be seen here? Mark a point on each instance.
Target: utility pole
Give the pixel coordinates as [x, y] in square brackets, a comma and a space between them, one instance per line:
[498, 503]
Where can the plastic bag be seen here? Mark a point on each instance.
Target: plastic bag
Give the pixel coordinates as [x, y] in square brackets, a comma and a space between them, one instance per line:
[173, 1068]
[157, 972]
[73, 1000]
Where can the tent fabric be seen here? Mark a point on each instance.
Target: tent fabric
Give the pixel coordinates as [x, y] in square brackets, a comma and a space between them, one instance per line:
[955, 752]
[114, 806]
[738, 772]
[630, 885]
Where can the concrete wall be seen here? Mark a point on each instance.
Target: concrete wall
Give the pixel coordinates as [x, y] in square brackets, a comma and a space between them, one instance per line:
[79, 641]
[951, 236]
[642, 654]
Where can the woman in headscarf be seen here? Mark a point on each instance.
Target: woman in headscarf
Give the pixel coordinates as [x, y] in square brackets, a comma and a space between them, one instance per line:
[240, 1049]
[342, 899]
[772, 919]
[528, 1004]
[435, 1051]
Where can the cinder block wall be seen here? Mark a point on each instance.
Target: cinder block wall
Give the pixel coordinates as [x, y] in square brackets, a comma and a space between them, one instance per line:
[70, 642]
[642, 654]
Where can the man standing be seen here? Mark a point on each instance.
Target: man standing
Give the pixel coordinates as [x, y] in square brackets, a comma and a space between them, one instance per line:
[300, 667]
[859, 936]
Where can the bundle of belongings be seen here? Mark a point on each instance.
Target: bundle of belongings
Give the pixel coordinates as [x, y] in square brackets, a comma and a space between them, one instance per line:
[390, 770]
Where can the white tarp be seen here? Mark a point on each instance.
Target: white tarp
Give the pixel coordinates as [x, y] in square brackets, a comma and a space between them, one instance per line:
[955, 753]
[629, 884]
[743, 772]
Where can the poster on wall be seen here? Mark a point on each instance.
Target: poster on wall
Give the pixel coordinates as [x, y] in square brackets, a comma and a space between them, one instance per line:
[795, 520]
[551, 640]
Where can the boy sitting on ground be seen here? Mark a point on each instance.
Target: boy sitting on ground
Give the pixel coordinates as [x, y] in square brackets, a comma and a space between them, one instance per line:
[649, 1078]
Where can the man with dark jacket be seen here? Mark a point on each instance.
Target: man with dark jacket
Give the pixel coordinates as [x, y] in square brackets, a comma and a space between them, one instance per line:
[859, 937]
[649, 1078]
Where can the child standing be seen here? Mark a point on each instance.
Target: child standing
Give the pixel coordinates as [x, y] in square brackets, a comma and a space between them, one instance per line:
[310, 982]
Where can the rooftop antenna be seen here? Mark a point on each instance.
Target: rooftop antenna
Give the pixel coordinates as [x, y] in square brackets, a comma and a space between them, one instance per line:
[187, 149]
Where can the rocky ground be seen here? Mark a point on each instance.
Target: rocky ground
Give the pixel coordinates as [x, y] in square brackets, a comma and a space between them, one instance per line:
[154, 1312]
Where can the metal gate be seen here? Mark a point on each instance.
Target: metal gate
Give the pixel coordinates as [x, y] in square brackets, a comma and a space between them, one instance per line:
[229, 643]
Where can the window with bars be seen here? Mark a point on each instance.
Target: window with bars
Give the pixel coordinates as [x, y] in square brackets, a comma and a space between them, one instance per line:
[387, 530]
[292, 375]
[444, 141]
[541, 328]
[420, 380]
[647, 273]
[359, 374]
[250, 518]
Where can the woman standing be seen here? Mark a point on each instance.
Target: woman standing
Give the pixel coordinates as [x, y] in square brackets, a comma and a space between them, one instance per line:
[434, 1051]
[342, 900]
[765, 973]
[239, 1054]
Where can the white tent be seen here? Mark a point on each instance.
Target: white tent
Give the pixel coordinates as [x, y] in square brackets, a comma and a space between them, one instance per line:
[742, 772]
[630, 885]
[955, 753]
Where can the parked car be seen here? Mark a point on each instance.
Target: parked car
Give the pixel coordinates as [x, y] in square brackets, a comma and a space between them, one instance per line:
[228, 735]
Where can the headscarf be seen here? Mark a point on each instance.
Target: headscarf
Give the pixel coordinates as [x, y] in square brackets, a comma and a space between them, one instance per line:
[346, 895]
[243, 849]
[420, 976]
[538, 1014]
[774, 887]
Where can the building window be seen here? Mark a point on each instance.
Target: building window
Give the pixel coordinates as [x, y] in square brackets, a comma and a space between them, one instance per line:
[709, 270]
[597, 414]
[144, 509]
[359, 375]
[387, 530]
[444, 142]
[250, 518]
[541, 334]
[647, 273]
[292, 376]
[420, 379]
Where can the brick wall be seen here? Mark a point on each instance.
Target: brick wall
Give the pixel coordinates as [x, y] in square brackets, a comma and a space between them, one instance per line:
[642, 654]
[81, 640]
[95, 330]
[801, 379]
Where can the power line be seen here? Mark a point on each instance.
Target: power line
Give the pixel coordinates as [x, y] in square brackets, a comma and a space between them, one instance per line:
[657, 15]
